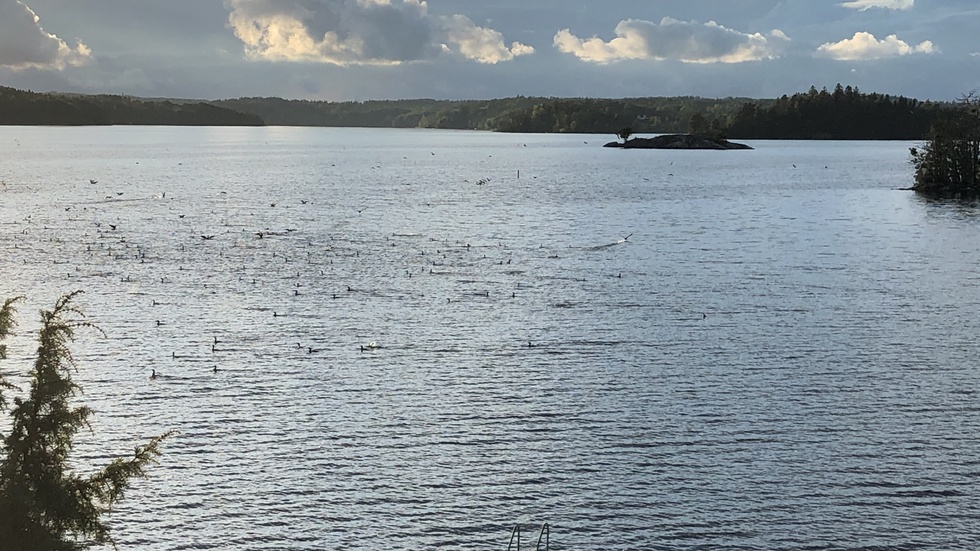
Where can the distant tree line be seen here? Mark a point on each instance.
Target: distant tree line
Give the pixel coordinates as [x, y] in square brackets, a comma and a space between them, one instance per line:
[845, 113]
[414, 113]
[517, 114]
[18, 107]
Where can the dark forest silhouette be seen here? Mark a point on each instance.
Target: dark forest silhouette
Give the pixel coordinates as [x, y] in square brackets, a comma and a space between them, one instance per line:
[844, 113]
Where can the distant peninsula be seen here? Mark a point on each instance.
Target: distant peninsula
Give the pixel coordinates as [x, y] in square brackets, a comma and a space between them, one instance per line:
[678, 141]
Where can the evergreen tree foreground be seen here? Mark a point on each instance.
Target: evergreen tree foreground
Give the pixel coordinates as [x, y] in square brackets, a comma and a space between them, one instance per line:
[44, 504]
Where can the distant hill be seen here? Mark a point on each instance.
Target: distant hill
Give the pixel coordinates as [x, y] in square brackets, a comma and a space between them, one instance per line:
[843, 114]
[414, 113]
[18, 107]
[517, 114]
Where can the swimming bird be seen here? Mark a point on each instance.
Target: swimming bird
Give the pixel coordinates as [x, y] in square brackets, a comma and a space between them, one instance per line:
[370, 346]
[154, 374]
[93, 181]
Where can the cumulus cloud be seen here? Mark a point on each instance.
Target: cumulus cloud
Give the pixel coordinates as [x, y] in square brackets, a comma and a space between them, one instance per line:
[864, 5]
[361, 32]
[690, 42]
[24, 44]
[864, 46]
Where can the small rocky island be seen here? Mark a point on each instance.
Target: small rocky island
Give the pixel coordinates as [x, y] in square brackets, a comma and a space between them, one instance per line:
[678, 141]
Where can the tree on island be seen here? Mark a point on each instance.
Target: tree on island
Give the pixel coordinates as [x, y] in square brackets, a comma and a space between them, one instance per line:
[624, 134]
[948, 165]
[698, 124]
[44, 504]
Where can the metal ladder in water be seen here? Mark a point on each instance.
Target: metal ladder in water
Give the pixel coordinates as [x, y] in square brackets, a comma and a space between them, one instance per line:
[544, 534]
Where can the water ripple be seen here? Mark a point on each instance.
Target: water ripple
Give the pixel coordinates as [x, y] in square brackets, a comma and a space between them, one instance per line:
[775, 359]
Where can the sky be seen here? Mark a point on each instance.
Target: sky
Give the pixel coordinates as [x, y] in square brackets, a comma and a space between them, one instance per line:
[342, 50]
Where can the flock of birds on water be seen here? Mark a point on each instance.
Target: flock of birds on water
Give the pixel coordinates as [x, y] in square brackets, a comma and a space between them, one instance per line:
[114, 240]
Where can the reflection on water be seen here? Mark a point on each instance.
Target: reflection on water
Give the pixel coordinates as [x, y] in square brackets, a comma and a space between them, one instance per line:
[781, 356]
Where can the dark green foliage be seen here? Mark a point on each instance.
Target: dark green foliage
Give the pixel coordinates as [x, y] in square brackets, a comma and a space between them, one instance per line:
[30, 108]
[845, 114]
[415, 113]
[518, 114]
[698, 124]
[948, 165]
[7, 323]
[44, 505]
[598, 116]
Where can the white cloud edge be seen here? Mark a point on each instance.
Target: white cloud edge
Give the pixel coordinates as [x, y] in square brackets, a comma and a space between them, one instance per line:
[863, 46]
[44, 57]
[865, 5]
[684, 41]
[271, 36]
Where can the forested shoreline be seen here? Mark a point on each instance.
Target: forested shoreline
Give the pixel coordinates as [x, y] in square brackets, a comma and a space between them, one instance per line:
[842, 114]
[19, 107]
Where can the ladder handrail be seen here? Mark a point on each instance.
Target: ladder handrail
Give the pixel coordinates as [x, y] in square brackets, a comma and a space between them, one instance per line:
[516, 531]
[546, 534]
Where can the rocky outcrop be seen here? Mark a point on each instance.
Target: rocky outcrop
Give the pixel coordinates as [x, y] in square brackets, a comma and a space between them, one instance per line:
[678, 141]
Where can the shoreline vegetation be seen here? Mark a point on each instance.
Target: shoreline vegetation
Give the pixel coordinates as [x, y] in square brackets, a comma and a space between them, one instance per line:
[24, 108]
[844, 113]
[947, 167]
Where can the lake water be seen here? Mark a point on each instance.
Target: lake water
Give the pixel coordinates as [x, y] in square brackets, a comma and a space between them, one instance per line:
[783, 354]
